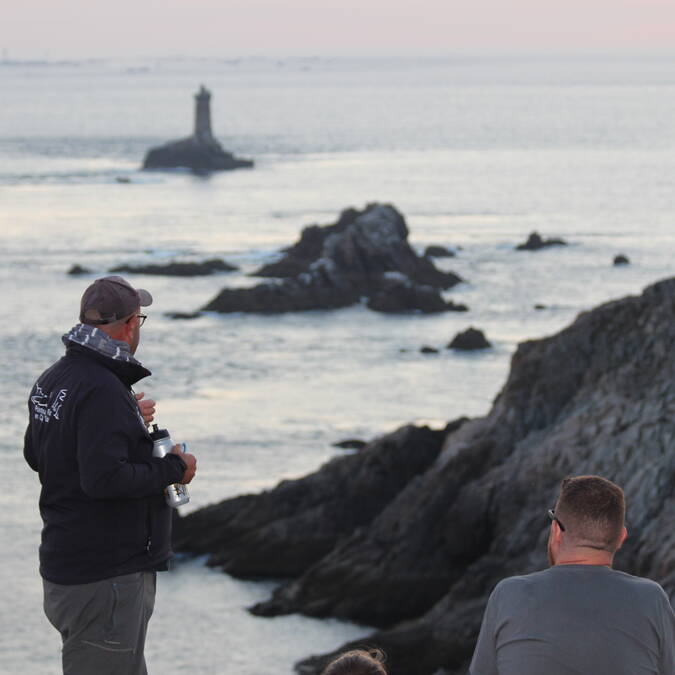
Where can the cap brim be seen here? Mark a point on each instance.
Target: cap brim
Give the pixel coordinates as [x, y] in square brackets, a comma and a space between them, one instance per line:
[144, 297]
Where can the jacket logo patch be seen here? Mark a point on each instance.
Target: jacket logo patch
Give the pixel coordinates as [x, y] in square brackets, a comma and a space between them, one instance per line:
[47, 405]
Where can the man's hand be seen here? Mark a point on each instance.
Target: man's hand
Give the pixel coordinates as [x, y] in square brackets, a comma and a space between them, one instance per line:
[146, 407]
[190, 461]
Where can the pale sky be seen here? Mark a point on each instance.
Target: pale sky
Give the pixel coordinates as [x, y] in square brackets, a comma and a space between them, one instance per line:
[79, 28]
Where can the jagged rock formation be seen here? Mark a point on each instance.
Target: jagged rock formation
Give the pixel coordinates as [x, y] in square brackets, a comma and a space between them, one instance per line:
[282, 532]
[351, 444]
[535, 242]
[434, 251]
[599, 397]
[180, 269]
[469, 340]
[77, 270]
[364, 254]
[201, 152]
[396, 294]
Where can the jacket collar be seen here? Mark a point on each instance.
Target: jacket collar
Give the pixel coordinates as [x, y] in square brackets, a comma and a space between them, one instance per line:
[113, 354]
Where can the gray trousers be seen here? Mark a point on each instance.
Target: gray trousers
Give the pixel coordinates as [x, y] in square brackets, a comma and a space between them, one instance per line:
[102, 624]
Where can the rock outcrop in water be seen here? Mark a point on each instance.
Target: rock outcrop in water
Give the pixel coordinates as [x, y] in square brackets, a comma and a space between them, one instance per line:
[469, 340]
[536, 242]
[201, 152]
[438, 252]
[180, 269]
[599, 397]
[77, 270]
[365, 254]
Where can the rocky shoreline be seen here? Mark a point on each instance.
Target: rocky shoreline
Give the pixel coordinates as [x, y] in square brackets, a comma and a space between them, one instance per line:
[411, 533]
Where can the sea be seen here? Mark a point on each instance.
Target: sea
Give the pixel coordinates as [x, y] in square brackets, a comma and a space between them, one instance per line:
[476, 150]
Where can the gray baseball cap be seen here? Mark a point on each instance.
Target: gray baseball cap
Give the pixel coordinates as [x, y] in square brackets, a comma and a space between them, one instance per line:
[110, 299]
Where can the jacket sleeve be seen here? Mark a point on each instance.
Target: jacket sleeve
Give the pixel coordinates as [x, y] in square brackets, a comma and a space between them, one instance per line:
[105, 426]
[28, 453]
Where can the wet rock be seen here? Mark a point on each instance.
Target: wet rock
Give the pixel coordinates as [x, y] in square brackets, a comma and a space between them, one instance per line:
[183, 315]
[293, 295]
[539, 307]
[438, 252]
[397, 294]
[350, 444]
[469, 340]
[365, 254]
[621, 259]
[282, 532]
[198, 156]
[309, 248]
[180, 269]
[426, 349]
[76, 270]
[535, 243]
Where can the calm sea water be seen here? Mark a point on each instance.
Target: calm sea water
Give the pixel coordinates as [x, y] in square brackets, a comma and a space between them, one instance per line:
[476, 152]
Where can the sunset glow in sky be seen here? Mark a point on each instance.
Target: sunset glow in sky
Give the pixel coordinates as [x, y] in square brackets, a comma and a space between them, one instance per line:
[68, 28]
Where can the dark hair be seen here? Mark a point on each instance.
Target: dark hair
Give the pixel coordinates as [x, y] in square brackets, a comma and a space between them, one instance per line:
[357, 662]
[592, 510]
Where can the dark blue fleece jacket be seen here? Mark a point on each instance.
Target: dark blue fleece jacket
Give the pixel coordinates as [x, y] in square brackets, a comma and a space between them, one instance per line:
[102, 501]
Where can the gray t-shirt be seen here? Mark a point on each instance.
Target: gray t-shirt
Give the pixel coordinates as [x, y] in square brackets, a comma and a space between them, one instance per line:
[576, 620]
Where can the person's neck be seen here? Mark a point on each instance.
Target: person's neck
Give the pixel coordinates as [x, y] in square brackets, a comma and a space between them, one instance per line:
[585, 556]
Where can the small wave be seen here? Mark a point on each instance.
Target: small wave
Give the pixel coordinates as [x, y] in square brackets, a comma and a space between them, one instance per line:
[120, 176]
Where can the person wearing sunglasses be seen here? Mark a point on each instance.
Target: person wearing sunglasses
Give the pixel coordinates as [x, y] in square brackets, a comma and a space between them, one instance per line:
[106, 525]
[580, 616]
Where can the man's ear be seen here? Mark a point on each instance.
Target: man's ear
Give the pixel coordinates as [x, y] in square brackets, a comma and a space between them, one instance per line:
[128, 331]
[622, 538]
[120, 332]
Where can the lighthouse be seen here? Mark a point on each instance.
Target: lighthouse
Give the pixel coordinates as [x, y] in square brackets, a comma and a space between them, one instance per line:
[203, 115]
[200, 152]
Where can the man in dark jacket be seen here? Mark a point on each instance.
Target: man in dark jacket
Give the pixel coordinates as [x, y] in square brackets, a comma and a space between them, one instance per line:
[107, 527]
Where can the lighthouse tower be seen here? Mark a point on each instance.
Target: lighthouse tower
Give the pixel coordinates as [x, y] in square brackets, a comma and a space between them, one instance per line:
[203, 115]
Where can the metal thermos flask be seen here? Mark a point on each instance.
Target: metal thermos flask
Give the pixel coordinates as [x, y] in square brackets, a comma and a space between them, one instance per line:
[175, 494]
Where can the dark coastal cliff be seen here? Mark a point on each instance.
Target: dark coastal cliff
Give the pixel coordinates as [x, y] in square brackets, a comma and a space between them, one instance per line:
[598, 397]
[282, 532]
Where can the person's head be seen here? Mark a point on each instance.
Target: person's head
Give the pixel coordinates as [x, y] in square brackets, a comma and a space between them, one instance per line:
[113, 305]
[588, 520]
[357, 662]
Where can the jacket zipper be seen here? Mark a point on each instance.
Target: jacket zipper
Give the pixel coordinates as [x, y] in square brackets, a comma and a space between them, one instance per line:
[148, 542]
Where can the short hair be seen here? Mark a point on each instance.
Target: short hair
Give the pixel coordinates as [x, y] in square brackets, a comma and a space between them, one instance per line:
[357, 662]
[592, 510]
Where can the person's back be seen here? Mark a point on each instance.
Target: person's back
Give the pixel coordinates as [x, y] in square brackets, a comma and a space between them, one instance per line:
[579, 617]
[574, 619]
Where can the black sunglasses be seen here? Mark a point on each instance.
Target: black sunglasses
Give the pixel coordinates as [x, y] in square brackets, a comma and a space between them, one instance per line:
[554, 519]
[141, 319]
